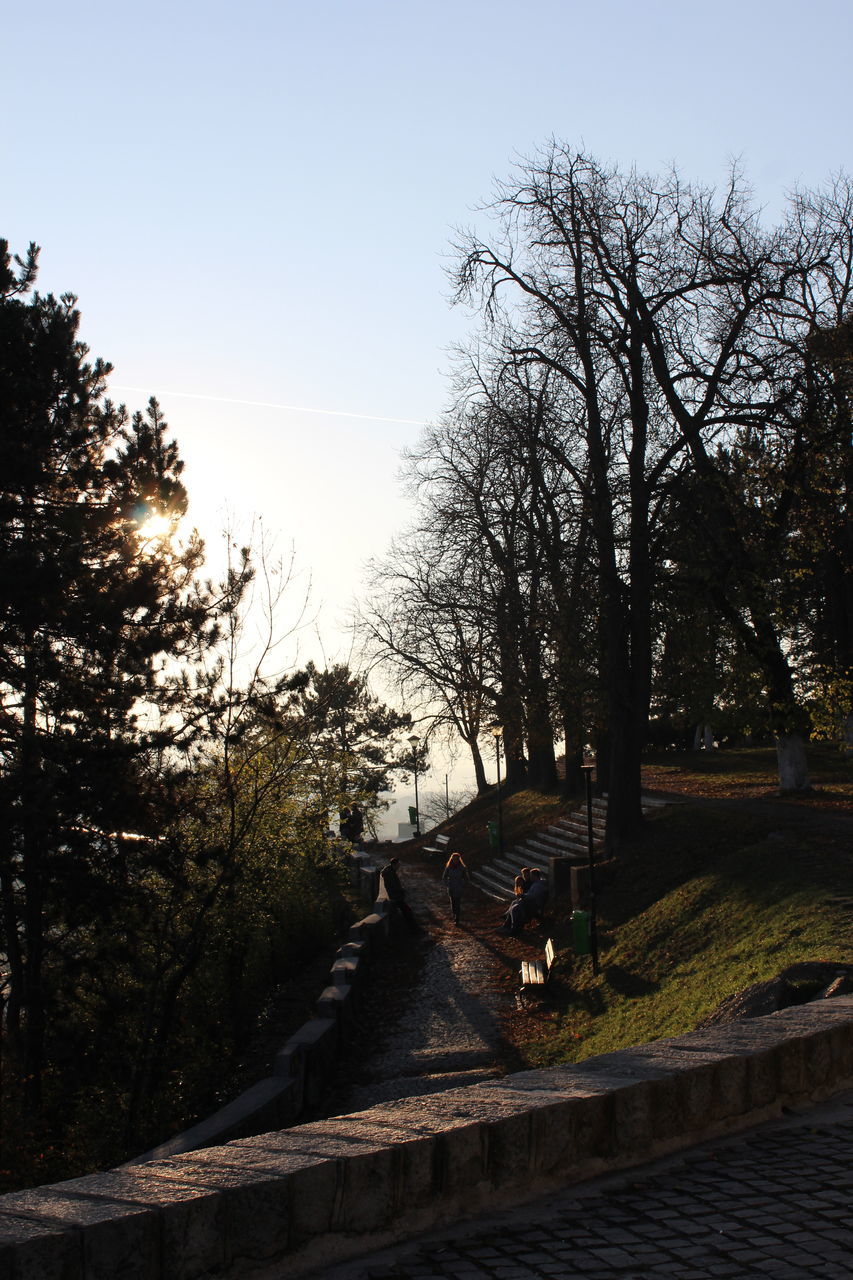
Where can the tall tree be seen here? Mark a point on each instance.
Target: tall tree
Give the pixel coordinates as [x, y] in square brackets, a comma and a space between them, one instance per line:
[97, 605]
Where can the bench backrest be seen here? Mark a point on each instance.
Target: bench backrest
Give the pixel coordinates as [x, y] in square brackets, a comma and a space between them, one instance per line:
[442, 840]
[549, 953]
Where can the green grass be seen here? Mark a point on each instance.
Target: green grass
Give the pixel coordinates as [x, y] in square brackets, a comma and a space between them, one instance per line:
[707, 902]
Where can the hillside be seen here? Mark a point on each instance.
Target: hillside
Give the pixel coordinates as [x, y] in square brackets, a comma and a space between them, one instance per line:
[728, 885]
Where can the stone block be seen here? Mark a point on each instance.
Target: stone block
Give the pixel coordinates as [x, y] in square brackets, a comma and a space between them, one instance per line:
[345, 971]
[35, 1250]
[187, 1222]
[256, 1200]
[352, 951]
[366, 1172]
[413, 1153]
[298, 1190]
[114, 1239]
[368, 885]
[372, 930]
[308, 1056]
[335, 1002]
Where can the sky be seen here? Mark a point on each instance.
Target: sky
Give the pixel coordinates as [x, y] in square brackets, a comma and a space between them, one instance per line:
[254, 205]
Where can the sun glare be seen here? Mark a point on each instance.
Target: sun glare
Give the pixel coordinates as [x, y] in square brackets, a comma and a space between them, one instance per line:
[155, 527]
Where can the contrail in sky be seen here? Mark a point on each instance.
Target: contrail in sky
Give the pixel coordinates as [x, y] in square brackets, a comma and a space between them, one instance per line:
[264, 404]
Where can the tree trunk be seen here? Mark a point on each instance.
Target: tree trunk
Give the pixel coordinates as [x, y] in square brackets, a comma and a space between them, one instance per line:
[542, 760]
[479, 767]
[791, 759]
[573, 755]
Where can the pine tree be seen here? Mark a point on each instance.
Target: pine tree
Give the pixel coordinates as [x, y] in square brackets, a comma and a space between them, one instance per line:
[97, 609]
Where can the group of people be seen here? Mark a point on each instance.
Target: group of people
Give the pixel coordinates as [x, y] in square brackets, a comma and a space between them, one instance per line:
[530, 898]
[529, 901]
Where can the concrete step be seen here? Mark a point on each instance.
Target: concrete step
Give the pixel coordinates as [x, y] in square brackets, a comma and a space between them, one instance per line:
[566, 842]
[491, 885]
[555, 841]
[538, 851]
[509, 864]
[578, 822]
[567, 839]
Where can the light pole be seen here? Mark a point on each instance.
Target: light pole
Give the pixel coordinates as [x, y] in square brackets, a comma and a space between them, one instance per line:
[593, 932]
[497, 733]
[413, 743]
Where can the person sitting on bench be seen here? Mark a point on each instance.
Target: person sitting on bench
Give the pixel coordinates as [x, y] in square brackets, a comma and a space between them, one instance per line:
[536, 897]
[527, 906]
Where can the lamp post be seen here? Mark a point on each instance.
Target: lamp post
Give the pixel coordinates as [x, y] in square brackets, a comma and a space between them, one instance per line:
[413, 743]
[593, 933]
[497, 733]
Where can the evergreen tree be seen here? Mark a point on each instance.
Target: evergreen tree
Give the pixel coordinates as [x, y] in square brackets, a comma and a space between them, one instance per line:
[97, 608]
[353, 740]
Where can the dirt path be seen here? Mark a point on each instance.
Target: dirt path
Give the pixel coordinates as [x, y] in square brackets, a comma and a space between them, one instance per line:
[438, 1005]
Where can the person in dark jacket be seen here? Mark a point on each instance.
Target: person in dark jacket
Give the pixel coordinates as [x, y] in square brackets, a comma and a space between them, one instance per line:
[396, 894]
[455, 876]
[536, 897]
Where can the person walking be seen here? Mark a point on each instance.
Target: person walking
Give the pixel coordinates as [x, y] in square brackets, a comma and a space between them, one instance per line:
[455, 876]
[396, 894]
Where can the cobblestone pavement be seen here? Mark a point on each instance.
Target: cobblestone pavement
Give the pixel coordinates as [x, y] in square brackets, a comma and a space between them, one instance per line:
[443, 1027]
[774, 1203]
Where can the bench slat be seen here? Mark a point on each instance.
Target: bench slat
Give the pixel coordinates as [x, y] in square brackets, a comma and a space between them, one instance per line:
[535, 973]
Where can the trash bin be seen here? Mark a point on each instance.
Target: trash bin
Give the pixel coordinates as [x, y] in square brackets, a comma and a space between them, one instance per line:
[580, 933]
[494, 835]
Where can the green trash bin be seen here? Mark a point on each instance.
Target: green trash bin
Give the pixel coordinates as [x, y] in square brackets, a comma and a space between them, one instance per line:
[580, 933]
[494, 835]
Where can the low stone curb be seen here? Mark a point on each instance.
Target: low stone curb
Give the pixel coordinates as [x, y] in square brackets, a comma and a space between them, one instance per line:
[293, 1201]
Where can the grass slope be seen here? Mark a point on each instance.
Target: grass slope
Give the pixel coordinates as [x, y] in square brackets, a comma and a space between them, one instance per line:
[726, 887]
[706, 904]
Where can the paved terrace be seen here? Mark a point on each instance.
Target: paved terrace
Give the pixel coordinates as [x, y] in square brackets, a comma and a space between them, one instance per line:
[774, 1204]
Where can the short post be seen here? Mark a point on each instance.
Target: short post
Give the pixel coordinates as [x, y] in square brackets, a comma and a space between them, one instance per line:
[593, 929]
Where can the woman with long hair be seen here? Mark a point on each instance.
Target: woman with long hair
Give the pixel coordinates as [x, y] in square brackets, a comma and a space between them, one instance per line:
[455, 876]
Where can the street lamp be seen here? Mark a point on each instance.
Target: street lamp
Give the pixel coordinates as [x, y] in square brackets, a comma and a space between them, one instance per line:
[413, 743]
[497, 733]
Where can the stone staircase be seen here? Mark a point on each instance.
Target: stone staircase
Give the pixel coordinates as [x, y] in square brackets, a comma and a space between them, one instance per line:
[567, 841]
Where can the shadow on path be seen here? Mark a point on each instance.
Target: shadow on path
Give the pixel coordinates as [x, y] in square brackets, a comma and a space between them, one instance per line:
[432, 1010]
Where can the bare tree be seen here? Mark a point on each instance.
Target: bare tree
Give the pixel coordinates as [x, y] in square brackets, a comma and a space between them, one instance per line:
[668, 316]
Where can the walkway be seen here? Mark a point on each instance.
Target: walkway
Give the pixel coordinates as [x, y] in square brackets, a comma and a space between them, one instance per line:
[773, 1204]
[432, 1014]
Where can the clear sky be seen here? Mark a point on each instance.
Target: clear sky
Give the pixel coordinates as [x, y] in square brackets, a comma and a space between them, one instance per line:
[253, 202]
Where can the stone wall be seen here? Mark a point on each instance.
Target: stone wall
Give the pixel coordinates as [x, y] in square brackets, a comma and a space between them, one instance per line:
[289, 1202]
[305, 1062]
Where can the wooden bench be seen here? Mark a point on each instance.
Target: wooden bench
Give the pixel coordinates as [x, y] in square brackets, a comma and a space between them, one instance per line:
[535, 973]
[441, 845]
